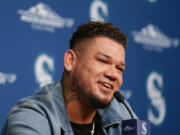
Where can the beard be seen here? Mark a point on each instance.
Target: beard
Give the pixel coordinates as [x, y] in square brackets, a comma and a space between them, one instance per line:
[79, 84]
[97, 103]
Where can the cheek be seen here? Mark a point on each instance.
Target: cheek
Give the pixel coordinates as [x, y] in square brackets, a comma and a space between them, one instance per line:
[120, 82]
[93, 69]
[86, 73]
[89, 72]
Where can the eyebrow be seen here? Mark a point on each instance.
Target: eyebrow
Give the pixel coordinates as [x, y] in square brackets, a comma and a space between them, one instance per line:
[109, 57]
[105, 55]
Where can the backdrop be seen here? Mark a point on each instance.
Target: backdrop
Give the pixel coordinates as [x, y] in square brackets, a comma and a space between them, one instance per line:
[34, 34]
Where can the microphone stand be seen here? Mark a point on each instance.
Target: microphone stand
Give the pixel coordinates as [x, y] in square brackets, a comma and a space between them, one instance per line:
[120, 98]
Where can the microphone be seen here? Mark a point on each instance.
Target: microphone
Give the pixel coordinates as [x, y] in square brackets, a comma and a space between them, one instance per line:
[132, 126]
[120, 98]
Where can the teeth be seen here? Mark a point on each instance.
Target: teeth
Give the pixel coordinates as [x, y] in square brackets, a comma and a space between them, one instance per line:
[107, 85]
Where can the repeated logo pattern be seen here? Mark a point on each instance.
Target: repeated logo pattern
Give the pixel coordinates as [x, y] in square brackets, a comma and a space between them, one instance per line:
[156, 98]
[42, 17]
[7, 78]
[154, 39]
[99, 10]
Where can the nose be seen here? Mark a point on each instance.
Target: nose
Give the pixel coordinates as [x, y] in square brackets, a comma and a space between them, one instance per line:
[111, 74]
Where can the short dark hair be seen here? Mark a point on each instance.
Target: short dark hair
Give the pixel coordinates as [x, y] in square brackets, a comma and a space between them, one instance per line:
[98, 28]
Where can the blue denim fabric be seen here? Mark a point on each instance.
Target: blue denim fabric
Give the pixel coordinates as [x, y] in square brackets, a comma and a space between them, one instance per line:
[44, 113]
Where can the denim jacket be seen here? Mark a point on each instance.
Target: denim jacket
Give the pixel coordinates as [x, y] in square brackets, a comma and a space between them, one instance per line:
[44, 113]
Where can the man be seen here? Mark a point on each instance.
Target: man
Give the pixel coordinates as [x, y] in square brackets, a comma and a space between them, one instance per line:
[82, 103]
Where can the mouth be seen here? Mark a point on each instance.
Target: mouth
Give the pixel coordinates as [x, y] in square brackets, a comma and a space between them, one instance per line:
[106, 87]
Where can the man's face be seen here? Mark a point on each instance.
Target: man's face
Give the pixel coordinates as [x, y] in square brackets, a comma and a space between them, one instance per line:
[98, 70]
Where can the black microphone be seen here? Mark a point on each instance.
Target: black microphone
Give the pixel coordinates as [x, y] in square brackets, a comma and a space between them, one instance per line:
[120, 98]
[132, 126]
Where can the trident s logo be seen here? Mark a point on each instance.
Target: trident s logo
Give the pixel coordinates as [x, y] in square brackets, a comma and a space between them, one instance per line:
[144, 128]
[44, 65]
[99, 10]
[154, 90]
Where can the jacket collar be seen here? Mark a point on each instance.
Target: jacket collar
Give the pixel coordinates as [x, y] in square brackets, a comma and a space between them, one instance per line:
[113, 114]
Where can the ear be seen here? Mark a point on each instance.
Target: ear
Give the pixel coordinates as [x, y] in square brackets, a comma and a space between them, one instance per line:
[69, 60]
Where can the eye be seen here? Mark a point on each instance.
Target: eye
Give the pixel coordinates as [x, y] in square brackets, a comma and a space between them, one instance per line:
[103, 60]
[121, 69]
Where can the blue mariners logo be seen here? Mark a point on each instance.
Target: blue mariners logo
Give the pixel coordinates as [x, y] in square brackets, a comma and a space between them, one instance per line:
[99, 10]
[44, 69]
[154, 87]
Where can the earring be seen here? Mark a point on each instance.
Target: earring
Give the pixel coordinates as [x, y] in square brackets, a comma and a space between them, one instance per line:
[69, 67]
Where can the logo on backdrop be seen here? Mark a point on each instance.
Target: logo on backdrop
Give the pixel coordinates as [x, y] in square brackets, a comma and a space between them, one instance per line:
[126, 93]
[99, 10]
[44, 68]
[153, 39]
[7, 78]
[152, 1]
[154, 87]
[42, 17]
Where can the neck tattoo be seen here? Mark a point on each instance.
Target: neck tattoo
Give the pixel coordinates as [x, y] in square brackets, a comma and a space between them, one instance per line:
[93, 129]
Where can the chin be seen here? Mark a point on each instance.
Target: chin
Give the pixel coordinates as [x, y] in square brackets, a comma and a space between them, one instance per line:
[100, 103]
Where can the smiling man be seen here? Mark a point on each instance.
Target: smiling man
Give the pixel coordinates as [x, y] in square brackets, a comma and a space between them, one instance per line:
[82, 103]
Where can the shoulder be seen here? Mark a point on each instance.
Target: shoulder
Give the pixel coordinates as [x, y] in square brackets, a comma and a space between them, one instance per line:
[33, 114]
[26, 117]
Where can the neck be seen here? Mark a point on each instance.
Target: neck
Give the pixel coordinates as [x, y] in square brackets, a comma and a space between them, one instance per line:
[79, 111]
